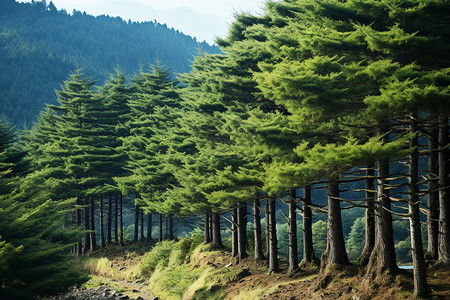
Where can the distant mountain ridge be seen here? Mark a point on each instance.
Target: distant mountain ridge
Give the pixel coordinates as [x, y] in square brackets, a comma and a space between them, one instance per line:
[40, 45]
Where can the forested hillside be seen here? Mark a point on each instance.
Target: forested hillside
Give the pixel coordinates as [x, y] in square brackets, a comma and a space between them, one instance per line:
[39, 45]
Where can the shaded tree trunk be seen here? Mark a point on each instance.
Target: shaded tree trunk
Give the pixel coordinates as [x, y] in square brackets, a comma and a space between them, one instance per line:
[292, 223]
[171, 237]
[335, 253]
[234, 233]
[136, 223]
[267, 228]
[210, 220]
[102, 232]
[121, 220]
[149, 228]
[79, 248]
[92, 225]
[433, 195]
[109, 221]
[242, 231]
[257, 228]
[142, 225]
[444, 201]
[419, 272]
[207, 239]
[116, 225]
[216, 238]
[273, 243]
[87, 237]
[308, 248]
[160, 225]
[370, 215]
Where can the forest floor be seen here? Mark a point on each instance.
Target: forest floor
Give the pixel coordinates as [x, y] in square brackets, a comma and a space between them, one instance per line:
[115, 275]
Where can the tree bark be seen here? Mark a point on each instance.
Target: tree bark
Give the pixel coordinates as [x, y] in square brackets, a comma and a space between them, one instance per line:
[419, 272]
[87, 237]
[216, 237]
[109, 222]
[444, 201]
[210, 220]
[308, 249]
[273, 243]
[242, 231]
[257, 228]
[116, 225]
[92, 225]
[136, 223]
[370, 216]
[267, 228]
[335, 252]
[121, 220]
[79, 248]
[292, 223]
[102, 232]
[207, 239]
[149, 228]
[433, 195]
[160, 225]
[142, 225]
[171, 236]
[383, 254]
[234, 233]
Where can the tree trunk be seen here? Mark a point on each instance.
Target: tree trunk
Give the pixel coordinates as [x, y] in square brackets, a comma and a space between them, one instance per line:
[370, 215]
[433, 195]
[92, 225]
[116, 225]
[102, 232]
[234, 233]
[273, 243]
[242, 231]
[207, 239]
[444, 201]
[335, 253]
[121, 220]
[308, 249]
[160, 225]
[79, 248]
[142, 225]
[109, 222]
[292, 223]
[149, 228]
[136, 223]
[383, 254]
[419, 272]
[257, 227]
[171, 236]
[210, 220]
[216, 238]
[87, 237]
[267, 228]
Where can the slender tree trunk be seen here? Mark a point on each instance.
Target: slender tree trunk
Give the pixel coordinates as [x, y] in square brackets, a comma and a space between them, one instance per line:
[273, 243]
[160, 225]
[136, 223]
[335, 253]
[242, 231]
[171, 236]
[102, 232]
[149, 228]
[234, 233]
[433, 195]
[116, 225]
[92, 225]
[210, 220]
[216, 238]
[444, 201]
[121, 220]
[257, 227]
[370, 215]
[79, 248]
[142, 225]
[109, 221]
[308, 249]
[267, 228]
[292, 223]
[207, 239]
[87, 237]
[383, 254]
[419, 272]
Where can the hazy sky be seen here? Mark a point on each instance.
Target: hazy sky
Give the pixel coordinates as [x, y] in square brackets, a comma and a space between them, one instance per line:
[205, 19]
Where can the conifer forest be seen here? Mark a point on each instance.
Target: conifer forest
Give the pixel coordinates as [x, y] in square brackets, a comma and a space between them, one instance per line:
[316, 138]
